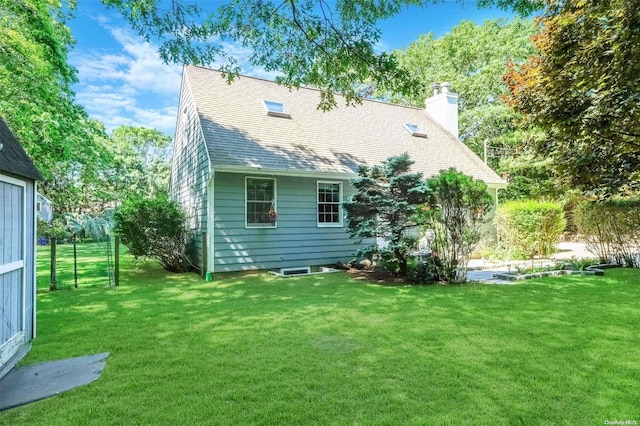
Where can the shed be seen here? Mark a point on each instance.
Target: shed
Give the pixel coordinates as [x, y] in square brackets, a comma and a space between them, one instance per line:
[18, 189]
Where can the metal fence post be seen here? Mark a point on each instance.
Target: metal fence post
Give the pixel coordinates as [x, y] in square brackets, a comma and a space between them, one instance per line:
[52, 281]
[116, 260]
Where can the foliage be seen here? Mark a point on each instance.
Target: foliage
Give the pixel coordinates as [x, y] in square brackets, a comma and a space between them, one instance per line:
[95, 227]
[611, 229]
[473, 59]
[141, 163]
[582, 89]
[387, 197]
[456, 210]
[56, 229]
[530, 227]
[331, 46]
[423, 272]
[156, 228]
[578, 263]
[530, 178]
[37, 99]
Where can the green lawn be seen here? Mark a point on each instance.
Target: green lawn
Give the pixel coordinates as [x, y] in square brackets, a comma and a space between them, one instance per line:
[92, 264]
[329, 350]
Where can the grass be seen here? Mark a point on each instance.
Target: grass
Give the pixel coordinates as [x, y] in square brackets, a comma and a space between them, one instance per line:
[332, 350]
[91, 264]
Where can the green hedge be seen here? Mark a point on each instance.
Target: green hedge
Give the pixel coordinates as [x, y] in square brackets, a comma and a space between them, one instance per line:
[611, 229]
[530, 228]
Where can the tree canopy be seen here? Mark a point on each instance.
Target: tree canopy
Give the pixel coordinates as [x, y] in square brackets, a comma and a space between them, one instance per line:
[327, 45]
[38, 102]
[36, 79]
[581, 88]
[473, 59]
[141, 163]
[84, 168]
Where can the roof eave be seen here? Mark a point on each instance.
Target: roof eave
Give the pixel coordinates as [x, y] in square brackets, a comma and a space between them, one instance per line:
[257, 170]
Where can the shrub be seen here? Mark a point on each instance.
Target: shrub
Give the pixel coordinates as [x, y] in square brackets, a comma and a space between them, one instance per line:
[155, 228]
[387, 197]
[422, 272]
[611, 229]
[456, 212]
[56, 229]
[531, 228]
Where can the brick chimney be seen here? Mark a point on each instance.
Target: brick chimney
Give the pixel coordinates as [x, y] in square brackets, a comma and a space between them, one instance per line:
[443, 107]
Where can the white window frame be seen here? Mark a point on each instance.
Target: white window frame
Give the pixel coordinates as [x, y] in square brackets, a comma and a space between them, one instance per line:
[415, 130]
[284, 113]
[248, 225]
[340, 212]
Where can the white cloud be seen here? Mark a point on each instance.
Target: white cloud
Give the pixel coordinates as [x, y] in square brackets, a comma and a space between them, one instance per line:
[127, 85]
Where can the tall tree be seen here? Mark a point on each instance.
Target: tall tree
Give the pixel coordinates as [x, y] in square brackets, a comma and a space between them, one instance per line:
[141, 163]
[328, 45]
[473, 58]
[582, 89]
[37, 100]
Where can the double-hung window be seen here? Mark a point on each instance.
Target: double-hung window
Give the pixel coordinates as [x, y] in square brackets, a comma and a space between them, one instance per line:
[260, 202]
[329, 199]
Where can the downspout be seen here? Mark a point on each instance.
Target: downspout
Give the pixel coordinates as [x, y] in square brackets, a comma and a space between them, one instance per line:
[494, 215]
[33, 239]
[210, 221]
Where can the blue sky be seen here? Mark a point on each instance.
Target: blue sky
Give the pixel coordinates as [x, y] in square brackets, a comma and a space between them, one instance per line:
[123, 82]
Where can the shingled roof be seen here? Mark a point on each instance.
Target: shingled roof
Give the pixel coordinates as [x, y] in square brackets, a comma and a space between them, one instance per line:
[240, 134]
[13, 158]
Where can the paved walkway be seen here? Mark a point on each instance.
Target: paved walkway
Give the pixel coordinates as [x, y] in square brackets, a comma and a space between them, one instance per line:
[481, 270]
[34, 382]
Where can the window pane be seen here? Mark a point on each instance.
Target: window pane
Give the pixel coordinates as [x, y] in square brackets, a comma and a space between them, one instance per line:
[275, 106]
[328, 203]
[260, 200]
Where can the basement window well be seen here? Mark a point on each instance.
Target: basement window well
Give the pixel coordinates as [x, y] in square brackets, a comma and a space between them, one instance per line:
[303, 270]
[276, 109]
[415, 130]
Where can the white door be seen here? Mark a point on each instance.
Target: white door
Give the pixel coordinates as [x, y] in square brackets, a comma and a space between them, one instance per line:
[12, 267]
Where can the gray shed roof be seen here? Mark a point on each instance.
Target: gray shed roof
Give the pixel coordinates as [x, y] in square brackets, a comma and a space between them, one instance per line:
[240, 134]
[13, 158]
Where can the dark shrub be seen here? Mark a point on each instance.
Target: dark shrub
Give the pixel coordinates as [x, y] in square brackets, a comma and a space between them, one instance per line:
[155, 228]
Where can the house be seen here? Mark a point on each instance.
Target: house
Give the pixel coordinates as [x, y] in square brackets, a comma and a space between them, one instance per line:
[44, 208]
[18, 190]
[262, 173]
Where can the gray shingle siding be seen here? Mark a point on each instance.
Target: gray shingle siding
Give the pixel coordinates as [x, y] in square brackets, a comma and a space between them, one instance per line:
[190, 172]
[296, 241]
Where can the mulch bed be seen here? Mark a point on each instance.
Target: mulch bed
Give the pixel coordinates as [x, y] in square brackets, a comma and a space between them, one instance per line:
[376, 276]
